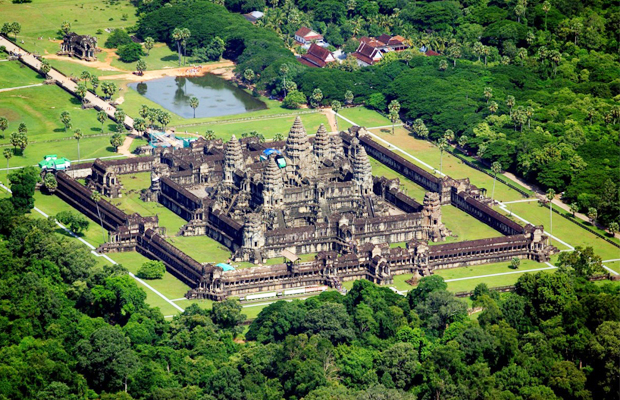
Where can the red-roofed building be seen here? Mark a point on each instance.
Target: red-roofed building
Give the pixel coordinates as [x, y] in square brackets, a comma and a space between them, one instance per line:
[317, 56]
[367, 54]
[306, 35]
[431, 53]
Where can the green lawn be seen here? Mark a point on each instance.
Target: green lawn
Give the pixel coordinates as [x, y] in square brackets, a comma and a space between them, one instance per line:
[412, 189]
[44, 17]
[131, 203]
[362, 116]
[40, 108]
[564, 229]
[160, 57]
[615, 265]
[452, 166]
[464, 226]
[14, 74]
[470, 284]
[201, 248]
[268, 127]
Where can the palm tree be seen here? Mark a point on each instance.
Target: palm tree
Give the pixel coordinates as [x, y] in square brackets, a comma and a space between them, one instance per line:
[81, 91]
[141, 67]
[278, 137]
[443, 65]
[248, 75]
[96, 197]
[102, 117]
[522, 54]
[496, 167]
[442, 145]
[486, 50]
[45, 68]
[94, 82]
[144, 111]
[546, 7]
[448, 135]
[185, 34]
[529, 112]
[65, 118]
[348, 97]
[463, 141]
[510, 102]
[139, 124]
[77, 134]
[613, 228]
[519, 11]
[8, 153]
[4, 123]
[163, 117]
[116, 141]
[284, 71]
[336, 106]
[65, 26]
[177, 36]
[193, 103]
[209, 134]
[119, 116]
[85, 76]
[454, 52]
[493, 107]
[394, 109]
[592, 215]
[515, 263]
[478, 49]
[574, 207]
[550, 197]
[488, 93]
[149, 43]
[555, 57]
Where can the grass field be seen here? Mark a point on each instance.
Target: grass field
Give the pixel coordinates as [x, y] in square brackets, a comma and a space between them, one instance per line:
[412, 189]
[615, 265]
[160, 57]
[565, 229]
[361, 116]
[201, 248]
[15, 74]
[131, 203]
[452, 166]
[43, 18]
[464, 226]
[470, 284]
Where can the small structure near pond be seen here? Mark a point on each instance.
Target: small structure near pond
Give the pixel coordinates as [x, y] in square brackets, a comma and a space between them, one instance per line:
[81, 46]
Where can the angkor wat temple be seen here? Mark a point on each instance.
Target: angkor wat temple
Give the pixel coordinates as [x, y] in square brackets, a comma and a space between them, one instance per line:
[305, 195]
[80, 46]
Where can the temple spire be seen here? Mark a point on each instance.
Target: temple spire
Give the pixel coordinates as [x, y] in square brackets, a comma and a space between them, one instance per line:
[321, 143]
[362, 170]
[297, 146]
[233, 159]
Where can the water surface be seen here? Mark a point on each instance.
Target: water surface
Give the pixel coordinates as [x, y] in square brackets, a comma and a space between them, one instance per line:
[217, 96]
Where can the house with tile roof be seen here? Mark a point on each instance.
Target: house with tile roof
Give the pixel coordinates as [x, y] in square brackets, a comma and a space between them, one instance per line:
[317, 56]
[367, 54]
[306, 35]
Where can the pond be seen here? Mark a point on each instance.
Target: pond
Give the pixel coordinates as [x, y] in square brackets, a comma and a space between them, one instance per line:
[216, 96]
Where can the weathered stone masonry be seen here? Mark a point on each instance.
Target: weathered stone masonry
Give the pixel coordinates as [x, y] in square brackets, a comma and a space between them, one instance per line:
[324, 201]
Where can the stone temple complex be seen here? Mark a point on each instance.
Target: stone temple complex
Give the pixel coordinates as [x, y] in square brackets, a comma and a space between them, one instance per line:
[305, 195]
[81, 46]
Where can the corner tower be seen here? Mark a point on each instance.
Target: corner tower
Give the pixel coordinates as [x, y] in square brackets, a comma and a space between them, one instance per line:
[297, 145]
[273, 186]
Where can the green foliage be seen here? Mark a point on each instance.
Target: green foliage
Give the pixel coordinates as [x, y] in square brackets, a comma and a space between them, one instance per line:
[118, 38]
[23, 182]
[130, 52]
[294, 100]
[152, 270]
[77, 222]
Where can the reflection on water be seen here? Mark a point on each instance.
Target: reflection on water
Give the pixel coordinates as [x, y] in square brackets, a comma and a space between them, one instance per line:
[216, 96]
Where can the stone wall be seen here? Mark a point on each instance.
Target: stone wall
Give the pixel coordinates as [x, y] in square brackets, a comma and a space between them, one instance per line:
[485, 213]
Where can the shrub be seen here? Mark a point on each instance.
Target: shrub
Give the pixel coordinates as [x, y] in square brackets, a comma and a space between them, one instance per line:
[152, 270]
[130, 52]
[117, 38]
[294, 99]
[75, 221]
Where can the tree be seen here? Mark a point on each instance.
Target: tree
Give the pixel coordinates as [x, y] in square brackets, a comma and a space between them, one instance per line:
[85, 76]
[119, 115]
[510, 102]
[139, 124]
[278, 137]
[94, 82]
[439, 310]
[215, 49]
[144, 111]
[78, 135]
[45, 68]
[96, 197]
[442, 145]
[425, 287]
[77, 222]
[478, 49]
[116, 141]
[141, 67]
[149, 43]
[612, 228]
[118, 38]
[22, 141]
[546, 7]
[443, 65]
[393, 110]
[316, 98]
[4, 124]
[496, 168]
[284, 70]
[193, 103]
[419, 128]
[248, 76]
[152, 270]
[16, 28]
[210, 134]
[81, 91]
[515, 263]
[14, 139]
[463, 141]
[592, 215]
[177, 36]
[550, 196]
[294, 100]
[454, 52]
[65, 27]
[163, 117]
[449, 135]
[65, 119]
[574, 208]
[493, 107]
[488, 93]
[22, 128]
[102, 117]
[227, 315]
[582, 261]
[519, 11]
[23, 182]
[336, 106]
[529, 112]
[109, 89]
[8, 153]
[348, 97]
[130, 52]
[522, 54]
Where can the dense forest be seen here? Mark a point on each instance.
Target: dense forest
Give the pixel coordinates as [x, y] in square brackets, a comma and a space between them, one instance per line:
[71, 328]
[533, 85]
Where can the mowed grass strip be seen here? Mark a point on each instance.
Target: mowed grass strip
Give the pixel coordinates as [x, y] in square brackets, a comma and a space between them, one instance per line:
[15, 74]
[464, 226]
[412, 189]
[201, 248]
[614, 265]
[362, 116]
[452, 166]
[564, 229]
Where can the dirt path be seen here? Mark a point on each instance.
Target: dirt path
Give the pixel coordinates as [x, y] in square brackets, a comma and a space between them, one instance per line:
[100, 65]
[331, 118]
[124, 149]
[219, 68]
